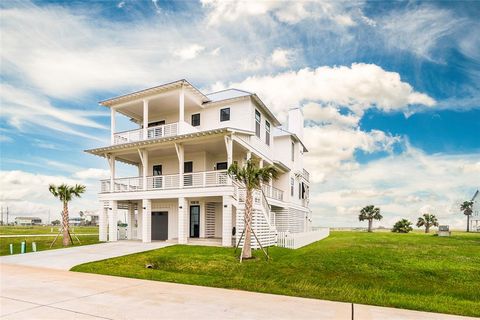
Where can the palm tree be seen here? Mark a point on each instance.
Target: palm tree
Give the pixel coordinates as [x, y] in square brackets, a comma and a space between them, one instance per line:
[252, 176]
[65, 194]
[467, 208]
[427, 220]
[402, 226]
[370, 213]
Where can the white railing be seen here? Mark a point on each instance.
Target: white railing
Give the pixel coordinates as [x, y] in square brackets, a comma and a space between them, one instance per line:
[306, 175]
[272, 192]
[298, 240]
[165, 130]
[171, 181]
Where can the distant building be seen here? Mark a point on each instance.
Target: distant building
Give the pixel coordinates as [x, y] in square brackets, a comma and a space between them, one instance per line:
[75, 221]
[27, 221]
[91, 218]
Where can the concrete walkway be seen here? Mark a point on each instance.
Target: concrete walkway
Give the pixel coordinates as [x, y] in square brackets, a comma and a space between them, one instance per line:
[65, 259]
[36, 293]
[42, 235]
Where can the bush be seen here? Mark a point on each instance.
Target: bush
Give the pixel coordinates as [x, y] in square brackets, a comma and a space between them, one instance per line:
[402, 226]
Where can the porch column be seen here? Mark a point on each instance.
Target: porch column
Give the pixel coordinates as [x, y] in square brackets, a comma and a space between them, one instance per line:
[181, 109]
[144, 168]
[180, 154]
[182, 221]
[229, 148]
[130, 220]
[139, 220]
[145, 119]
[112, 221]
[112, 125]
[111, 163]
[227, 221]
[102, 223]
[147, 220]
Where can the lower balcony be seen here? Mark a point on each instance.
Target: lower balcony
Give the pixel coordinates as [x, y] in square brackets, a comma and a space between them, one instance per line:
[168, 182]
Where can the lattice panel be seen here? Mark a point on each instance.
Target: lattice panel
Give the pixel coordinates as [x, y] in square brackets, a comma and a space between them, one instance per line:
[210, 219]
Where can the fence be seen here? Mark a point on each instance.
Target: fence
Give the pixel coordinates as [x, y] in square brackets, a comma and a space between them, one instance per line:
[298, 240]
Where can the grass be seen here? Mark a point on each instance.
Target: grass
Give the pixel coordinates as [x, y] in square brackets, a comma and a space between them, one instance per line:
[8, 230]
[411, 271]
[43, 243]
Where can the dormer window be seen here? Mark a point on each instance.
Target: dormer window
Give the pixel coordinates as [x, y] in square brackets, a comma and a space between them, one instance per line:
[225, 114]
[258, 119]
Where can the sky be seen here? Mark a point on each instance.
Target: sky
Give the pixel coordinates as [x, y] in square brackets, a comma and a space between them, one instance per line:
[390, 92]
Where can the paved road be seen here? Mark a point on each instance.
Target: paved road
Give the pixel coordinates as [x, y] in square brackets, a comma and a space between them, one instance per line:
[65, 259]
[36, 293]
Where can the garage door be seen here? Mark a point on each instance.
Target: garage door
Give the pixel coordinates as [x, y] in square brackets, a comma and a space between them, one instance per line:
[159, 225]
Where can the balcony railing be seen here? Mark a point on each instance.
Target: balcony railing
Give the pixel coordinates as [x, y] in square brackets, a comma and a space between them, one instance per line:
[306, 175]
[168, 182]
[166, 130]
[272, 192]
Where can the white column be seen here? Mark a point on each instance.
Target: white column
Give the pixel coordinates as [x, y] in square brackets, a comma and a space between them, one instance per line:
[112, 221]
[145, 168]
[181, 156]
[182, 221]
[145, 119]
[181, 109]
[111, 163]
[147, 221]
[139, 220]
[227, 221]
[112, 125]
[102, 223]
[130, 220]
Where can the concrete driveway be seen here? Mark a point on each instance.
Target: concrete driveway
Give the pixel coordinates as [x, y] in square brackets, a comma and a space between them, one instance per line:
[65, 259]
[36, 293]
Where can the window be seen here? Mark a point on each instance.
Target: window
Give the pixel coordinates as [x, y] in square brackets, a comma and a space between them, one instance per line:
[292, 186]
[157, 170]
[187, 173]
[225, 114]
[157, 179]
[221, 166]
[196, 119]
[258, 118]
[293, 151]
[267, 132]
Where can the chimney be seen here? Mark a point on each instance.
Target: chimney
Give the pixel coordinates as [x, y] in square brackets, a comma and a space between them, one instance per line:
[295, 122]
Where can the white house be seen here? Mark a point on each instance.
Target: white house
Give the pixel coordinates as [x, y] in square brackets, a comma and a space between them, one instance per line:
[184, 143]
[27, 221]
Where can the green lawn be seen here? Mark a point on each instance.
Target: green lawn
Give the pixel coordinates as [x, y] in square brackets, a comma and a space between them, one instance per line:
[7, 230]
[43, 243]
[411, 271]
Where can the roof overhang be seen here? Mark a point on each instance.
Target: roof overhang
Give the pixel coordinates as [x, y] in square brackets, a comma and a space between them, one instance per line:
[152, 91]
[281, 166]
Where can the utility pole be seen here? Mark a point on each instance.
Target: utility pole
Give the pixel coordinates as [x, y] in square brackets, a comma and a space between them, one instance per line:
[2, 215]
[7, 216]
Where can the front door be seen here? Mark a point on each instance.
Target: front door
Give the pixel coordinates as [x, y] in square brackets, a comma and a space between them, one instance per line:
[194, 221]
[188, 176]
[157, 176]
[160, 225]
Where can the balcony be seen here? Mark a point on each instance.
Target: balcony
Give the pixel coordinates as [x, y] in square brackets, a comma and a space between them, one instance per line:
[168, 182]
[162, 131]
[272, 192]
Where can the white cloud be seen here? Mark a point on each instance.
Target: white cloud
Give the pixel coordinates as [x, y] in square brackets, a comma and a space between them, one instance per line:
[92, 173]
[404, 185]
[189, 52]
[329, 114]
[251, 64]
[419, 29]
[358, 87]
[281, 57]
[337, 12]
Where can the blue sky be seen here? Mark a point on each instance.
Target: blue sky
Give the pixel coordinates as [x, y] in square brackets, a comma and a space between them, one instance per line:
[390, 91]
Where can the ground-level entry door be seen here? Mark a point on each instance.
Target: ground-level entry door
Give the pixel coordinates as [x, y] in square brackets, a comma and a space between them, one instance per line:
[194, 221]
[159, 225]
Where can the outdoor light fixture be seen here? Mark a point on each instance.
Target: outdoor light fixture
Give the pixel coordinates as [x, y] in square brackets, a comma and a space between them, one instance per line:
[144, 208]
[225, 205]
[180, 207]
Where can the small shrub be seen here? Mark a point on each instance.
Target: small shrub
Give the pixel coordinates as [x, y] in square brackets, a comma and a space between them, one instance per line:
[402, 226]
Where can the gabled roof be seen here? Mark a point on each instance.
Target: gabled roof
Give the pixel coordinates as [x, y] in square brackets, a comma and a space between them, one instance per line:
[227, 94]
[280, 132]
[158, 89]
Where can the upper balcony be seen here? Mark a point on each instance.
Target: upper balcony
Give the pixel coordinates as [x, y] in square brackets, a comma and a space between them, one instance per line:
[158, 112]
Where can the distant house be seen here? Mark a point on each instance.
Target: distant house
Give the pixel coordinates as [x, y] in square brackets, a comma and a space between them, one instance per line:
[28, 221]
[75, 221]
[91, 218]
